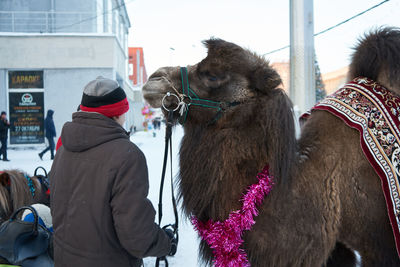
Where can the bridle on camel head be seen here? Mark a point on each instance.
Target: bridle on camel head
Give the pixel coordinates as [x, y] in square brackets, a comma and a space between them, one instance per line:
[185, 99]
[189, 98]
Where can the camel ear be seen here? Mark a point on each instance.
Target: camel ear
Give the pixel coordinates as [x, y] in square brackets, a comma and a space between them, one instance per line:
[265, 79]
[4, 179]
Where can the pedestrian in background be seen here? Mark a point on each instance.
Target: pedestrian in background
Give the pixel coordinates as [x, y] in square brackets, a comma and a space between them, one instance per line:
[4, 125]
[50, 130]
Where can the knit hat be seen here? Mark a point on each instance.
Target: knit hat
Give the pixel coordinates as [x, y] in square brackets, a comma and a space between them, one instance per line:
[105, 97]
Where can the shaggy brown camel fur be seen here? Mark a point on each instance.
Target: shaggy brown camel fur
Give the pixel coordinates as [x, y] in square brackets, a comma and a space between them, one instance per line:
[326, 192]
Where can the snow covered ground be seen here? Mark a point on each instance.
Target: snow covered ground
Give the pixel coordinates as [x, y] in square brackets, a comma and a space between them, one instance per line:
[153, 147]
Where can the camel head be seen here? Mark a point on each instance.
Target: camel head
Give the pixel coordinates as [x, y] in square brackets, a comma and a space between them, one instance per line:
[229, 74]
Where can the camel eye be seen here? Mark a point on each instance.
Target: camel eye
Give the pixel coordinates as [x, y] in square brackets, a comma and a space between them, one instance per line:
[212, 78]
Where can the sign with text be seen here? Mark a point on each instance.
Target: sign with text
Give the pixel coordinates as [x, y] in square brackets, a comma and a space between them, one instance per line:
[25, 79]
[26, 118]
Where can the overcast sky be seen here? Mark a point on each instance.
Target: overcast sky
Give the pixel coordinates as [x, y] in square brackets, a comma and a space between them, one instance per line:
[260, 25]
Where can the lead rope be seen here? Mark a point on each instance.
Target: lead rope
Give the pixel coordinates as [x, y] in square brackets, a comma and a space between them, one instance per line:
[168, 144]
[174, 206]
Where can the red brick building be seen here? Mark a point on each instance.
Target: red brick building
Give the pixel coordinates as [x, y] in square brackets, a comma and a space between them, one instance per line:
[137, 69]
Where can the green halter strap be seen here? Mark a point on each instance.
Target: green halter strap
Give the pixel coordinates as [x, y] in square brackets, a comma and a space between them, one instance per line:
[193, 100]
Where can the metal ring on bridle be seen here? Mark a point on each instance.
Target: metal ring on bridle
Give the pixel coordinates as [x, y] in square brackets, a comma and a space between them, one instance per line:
[168, 95]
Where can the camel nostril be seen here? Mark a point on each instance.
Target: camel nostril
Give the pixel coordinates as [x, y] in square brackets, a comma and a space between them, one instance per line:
[156, 78]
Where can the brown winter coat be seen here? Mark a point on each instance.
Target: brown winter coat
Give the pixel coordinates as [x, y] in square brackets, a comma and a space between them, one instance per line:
[99, 185]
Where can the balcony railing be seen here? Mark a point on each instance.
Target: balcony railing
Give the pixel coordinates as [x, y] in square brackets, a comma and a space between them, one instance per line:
[48, 22]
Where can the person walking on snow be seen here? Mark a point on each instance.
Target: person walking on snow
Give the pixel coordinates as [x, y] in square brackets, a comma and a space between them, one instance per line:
[4, 125]
[50, 130]
[99, 186]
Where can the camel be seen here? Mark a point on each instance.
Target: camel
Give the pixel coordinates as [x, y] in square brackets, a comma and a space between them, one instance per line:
[326, 194]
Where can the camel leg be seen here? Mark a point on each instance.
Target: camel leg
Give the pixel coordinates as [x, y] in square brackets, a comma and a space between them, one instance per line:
[372, 236]
[378, 254]
[374, 239]
[342, 256]
[365, 225]
[380, 259]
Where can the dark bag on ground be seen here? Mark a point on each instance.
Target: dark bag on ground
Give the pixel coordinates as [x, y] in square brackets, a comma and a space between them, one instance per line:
[25, 243]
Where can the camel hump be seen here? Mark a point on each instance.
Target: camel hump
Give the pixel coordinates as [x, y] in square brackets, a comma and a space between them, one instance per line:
[377, 56]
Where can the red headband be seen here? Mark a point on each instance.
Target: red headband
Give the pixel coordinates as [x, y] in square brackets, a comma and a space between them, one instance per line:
[111, 110]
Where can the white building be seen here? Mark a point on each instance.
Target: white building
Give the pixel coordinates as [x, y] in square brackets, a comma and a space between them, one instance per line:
[49, 50]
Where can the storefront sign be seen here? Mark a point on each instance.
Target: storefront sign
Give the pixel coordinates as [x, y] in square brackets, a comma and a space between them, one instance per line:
[26, 118]
[25, 79]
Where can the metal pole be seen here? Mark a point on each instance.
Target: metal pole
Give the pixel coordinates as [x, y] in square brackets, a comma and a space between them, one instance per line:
[302, 74]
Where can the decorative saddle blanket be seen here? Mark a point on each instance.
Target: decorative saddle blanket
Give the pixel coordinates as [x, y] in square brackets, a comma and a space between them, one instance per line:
[375, 112]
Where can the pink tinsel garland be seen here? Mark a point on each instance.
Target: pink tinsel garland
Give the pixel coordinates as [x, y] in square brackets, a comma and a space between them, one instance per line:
[225, 238]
